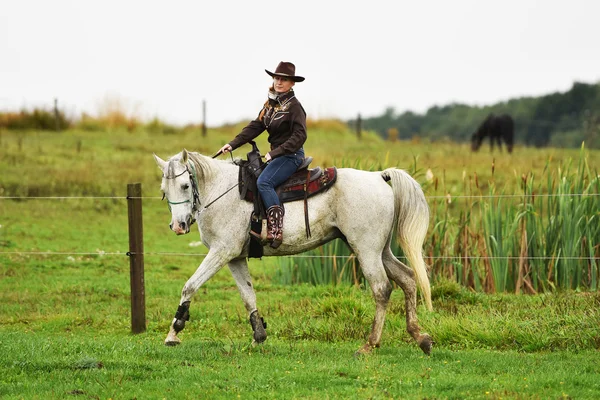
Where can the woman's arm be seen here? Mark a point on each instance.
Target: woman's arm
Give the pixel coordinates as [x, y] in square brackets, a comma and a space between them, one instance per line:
[252, 130]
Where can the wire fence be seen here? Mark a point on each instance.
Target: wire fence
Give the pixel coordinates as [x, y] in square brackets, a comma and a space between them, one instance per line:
[121, 254]
[127, 253]
[483, 196]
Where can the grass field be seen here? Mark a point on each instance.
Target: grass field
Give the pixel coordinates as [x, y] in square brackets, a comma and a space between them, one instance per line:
[65, 308]
[65, 327]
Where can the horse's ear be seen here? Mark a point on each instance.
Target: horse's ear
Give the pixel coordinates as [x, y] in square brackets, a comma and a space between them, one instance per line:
[184, 156]
[160, 162]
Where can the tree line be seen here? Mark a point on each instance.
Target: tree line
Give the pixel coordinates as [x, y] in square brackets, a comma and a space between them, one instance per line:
[557, 119]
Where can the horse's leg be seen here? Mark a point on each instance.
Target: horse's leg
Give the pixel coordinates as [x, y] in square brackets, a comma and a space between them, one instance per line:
[405, 278]
[239, 271]
[213, 261]
[372, 267]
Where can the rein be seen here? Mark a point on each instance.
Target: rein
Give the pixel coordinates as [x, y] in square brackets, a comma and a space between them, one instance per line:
[231, 188]
[234, 186]
[194, 181]
[227, 191]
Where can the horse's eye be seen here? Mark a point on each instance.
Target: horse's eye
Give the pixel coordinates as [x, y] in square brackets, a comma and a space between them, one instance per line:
[185, 186]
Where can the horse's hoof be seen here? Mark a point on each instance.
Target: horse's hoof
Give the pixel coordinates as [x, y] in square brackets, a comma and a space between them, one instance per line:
[426, 343]
[363, 351]
[359, 354]
[172, 341]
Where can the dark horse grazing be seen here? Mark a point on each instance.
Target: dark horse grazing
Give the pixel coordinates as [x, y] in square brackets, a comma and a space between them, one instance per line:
[497, 127]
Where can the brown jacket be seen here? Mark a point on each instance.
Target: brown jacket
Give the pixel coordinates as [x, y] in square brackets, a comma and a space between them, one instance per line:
[285, 121]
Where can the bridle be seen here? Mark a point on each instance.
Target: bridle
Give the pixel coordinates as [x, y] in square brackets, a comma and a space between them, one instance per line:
[195, 200]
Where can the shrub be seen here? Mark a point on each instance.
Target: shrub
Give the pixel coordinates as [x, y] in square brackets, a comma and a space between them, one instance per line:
[37, 119]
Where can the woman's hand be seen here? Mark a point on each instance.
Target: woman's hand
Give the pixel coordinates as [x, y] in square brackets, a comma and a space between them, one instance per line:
[225, 149]
[268, 157]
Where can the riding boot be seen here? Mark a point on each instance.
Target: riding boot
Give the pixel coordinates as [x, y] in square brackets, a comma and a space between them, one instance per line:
[275, 225]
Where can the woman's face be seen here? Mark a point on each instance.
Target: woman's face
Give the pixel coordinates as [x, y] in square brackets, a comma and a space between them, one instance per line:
[282, 84]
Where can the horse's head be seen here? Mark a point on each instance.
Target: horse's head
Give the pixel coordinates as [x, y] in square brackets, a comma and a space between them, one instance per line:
[180, 190]
[476, 139]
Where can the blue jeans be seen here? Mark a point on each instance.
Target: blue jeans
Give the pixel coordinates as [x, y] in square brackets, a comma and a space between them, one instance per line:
[275, 173]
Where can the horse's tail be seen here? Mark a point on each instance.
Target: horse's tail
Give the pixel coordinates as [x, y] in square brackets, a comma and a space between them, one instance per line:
[411, 214]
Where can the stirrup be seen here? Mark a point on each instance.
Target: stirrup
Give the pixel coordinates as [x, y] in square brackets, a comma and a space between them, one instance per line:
[258, 237]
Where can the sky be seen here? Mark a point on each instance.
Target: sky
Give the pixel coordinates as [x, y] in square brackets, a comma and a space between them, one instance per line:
[165, 58]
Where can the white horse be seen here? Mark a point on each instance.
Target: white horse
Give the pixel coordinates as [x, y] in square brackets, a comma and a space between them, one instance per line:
[361, 208]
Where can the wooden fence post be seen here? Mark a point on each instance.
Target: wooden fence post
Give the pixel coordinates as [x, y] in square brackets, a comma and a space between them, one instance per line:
[203, 118]
[56, 115]
[358, 126]
[136, 258]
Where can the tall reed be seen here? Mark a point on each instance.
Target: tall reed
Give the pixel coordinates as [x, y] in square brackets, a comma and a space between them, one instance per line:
[545, 238]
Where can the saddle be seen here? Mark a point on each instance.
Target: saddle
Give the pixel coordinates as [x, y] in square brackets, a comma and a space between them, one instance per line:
[304, 183]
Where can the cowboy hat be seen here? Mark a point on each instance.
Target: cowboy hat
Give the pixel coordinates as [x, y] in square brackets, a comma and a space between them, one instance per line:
[286, 70]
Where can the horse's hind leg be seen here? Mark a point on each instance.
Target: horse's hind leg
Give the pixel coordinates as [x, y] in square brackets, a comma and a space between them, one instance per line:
[404, 277]
[239, 271]
[374, 272]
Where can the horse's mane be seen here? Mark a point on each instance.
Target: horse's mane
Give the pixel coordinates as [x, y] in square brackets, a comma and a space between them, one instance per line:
[206, 166]
[201, 164]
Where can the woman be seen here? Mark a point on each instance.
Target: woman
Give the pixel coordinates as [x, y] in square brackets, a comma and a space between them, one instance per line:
[284, 118]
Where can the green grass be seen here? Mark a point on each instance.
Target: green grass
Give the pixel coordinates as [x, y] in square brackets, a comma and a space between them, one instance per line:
[65, 307]
[64, 331]
[120, 367]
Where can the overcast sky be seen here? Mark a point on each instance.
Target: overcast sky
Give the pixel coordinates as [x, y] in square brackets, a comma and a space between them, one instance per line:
[163, 58]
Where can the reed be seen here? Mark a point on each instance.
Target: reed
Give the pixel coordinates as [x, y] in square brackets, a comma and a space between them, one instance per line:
[545, 238]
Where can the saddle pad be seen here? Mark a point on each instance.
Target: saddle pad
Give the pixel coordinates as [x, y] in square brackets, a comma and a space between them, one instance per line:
[293, 188]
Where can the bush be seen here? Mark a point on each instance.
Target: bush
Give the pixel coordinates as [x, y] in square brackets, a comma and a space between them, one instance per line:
[89, 123]
[114, 120]
[37, 119]
[157, 126]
